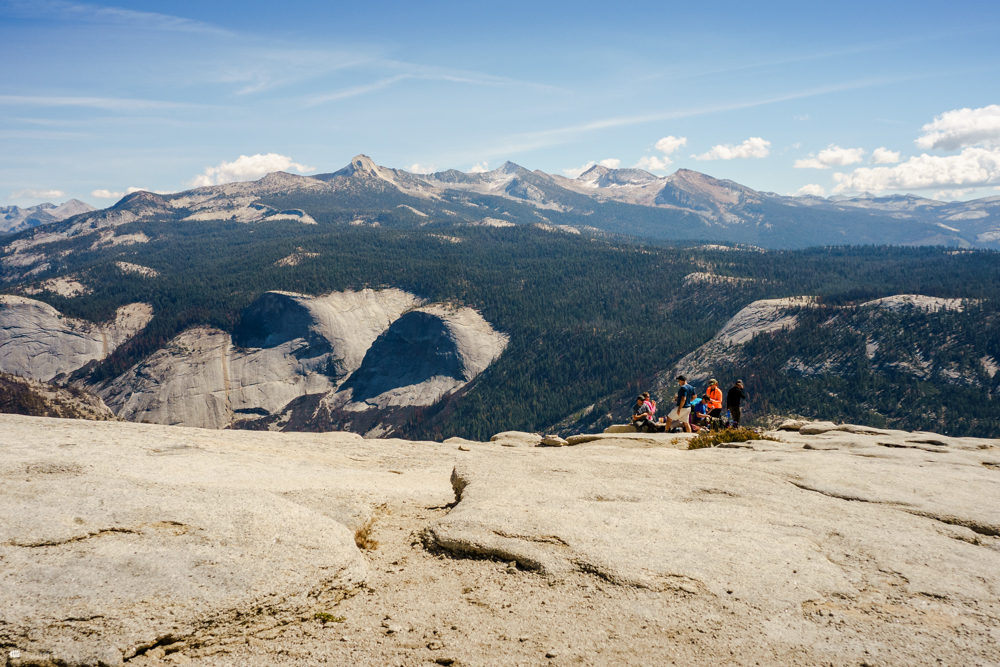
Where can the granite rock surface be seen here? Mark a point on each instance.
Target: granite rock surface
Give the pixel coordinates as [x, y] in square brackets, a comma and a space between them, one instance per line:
[139, 543]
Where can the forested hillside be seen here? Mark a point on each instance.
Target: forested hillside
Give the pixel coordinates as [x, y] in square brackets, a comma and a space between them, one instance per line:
[587, 317]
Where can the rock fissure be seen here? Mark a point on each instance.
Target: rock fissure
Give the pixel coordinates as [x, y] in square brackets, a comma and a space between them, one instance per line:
[975, 526]
[77, 538]
[143, 649]
[545, 539]
[844, 496]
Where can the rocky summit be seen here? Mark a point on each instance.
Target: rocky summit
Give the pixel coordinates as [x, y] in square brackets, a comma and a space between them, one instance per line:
[826, 544]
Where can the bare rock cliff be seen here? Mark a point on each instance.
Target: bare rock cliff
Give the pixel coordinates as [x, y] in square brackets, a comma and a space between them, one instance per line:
[36, 341]
[349, 351]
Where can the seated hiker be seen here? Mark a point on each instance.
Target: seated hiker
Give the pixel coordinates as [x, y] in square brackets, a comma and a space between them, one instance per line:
[657, 421]
[685, 393]
[713, 395]
[699, 414]
[651, 404]
[641, 416]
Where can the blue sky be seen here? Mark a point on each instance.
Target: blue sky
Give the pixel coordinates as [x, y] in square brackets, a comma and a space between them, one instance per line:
[887, 96]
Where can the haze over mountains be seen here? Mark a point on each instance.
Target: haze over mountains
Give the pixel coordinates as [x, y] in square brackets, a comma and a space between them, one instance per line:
[686, 205]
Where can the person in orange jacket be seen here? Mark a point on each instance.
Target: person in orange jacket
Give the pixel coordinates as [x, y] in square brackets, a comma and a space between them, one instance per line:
[713, 396]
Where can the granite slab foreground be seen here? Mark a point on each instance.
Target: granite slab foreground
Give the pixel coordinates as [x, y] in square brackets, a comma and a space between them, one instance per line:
[123, 542]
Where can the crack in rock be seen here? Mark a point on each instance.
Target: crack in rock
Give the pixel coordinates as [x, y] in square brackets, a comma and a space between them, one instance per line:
[77, 538]
[546, 539]
[971, 524]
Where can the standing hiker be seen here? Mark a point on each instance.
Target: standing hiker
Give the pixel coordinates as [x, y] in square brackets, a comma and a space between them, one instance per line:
[685, 394]
[734, 399]
[713, 395]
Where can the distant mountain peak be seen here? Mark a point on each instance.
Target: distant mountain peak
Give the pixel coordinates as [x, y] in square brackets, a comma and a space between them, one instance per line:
[280, 178]
[70, 208]
[141, 200]
[593, 173]
[509, 167]
[360, 166]
[364, 164]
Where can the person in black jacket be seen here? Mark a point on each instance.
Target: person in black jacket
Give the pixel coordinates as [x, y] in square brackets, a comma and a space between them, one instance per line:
[734, 398]
[641, 416]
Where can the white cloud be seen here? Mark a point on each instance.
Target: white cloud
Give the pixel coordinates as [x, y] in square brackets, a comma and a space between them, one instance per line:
[752, 147]
[37, 194]
[973, 167]
[110, 194]
[129, 191]
[962, 128]
[480, 168]
[831, 156]
[417, 168]
[652, 163]
[246, 168]
[812, 189]
[883, 155]
[668, 145]
[951, 195]
[610, 163]
[573, 172]
[804, 116]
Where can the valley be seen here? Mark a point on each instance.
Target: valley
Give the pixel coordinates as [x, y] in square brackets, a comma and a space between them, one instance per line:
[470, 330]
[390, 303]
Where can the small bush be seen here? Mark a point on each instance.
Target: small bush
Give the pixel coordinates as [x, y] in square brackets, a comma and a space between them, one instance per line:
[363, 536]
[716, 438]
[328, 618]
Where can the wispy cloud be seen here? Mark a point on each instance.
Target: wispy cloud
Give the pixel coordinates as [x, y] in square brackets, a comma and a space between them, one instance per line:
[107, 103]
[37, 194]
[44, 135]
[354, 91]
[261, 70]
[90, 13]
[857, 49]
[415, 72]
[534, 140]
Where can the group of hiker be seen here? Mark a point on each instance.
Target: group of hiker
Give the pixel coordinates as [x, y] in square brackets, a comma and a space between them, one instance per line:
[691, 412]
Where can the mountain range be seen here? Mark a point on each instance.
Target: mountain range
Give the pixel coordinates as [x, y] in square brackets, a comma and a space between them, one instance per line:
[16, 219]
[428, 305]
[685, 205]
